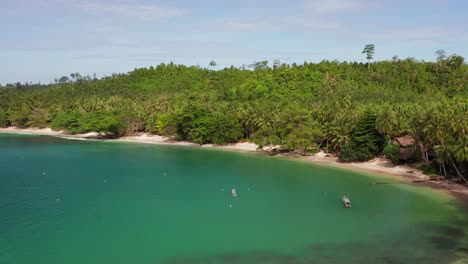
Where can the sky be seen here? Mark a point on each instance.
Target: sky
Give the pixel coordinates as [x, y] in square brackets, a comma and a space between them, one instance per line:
[44, 39]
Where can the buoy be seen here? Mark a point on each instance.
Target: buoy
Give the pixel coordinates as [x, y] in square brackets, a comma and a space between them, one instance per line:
[58, 199]
[43, 173]
[230, 205]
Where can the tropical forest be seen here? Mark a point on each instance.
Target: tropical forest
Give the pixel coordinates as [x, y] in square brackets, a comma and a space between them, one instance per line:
[354, 110]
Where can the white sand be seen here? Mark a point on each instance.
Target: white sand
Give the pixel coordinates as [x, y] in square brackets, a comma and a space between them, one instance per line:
[31, 131]
[47, 132]
[376, 166]
[154, 139]
[141, 138]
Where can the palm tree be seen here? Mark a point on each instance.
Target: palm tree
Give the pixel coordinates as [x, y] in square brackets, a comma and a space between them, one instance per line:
[369, 50]
[385, 122]
[416, 126]
[443, 156]
[460, 153]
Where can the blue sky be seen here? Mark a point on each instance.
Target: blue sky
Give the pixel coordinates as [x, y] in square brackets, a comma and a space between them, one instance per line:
[41, 40]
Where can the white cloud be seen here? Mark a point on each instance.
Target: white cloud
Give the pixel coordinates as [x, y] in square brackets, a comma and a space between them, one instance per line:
[302, 16]
[251, 26]
[148, 12]
[333, 6]
[422, 34]
[296, 23]
[314, 23]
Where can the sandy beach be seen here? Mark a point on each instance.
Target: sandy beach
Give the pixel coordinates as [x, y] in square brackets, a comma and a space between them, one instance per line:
[379, 166]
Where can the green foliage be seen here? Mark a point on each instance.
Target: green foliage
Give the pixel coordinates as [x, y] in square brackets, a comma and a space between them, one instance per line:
[366, 135]
[313, 151]
[303, 139]
[103, 123]
[68, 121]
[3, 119]
[19, 117]
[351, 152]
[366, 141]
[441, 55]
[369, 50]
[129, 123]
[157, 124]
[427, 169]
[39, 118]
[338, 105]
[392, 152]
[224, 129]
[201, 126]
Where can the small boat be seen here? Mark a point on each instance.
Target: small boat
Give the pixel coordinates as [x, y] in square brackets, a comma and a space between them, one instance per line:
[234, 193]
[346, 202]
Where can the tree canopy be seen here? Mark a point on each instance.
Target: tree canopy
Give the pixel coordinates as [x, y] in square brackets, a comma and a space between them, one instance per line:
[340, 106]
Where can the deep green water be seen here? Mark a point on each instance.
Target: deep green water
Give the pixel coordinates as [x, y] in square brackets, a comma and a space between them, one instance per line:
[71, 202]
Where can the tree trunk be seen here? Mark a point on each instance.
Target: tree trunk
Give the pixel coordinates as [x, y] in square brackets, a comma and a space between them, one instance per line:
[458, 172]
[321, 143]
[424, 153]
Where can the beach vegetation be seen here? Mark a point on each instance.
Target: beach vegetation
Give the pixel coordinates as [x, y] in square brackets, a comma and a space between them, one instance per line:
[392, 152]
[3, 119]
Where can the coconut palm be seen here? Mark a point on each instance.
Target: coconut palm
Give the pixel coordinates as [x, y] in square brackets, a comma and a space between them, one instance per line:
[385, 122]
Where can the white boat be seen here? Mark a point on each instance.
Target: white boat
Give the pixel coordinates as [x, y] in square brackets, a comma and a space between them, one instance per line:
[234, 193]
[346, 202]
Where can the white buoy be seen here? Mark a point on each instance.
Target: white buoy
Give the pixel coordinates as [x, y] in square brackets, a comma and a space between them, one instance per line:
[230, 206]
[58, 199]
[43, 173]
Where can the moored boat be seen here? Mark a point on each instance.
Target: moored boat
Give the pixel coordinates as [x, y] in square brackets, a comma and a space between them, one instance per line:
[234, 193]
[346, 202]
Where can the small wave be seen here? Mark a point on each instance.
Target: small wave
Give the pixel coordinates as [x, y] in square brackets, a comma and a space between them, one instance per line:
[76, 138]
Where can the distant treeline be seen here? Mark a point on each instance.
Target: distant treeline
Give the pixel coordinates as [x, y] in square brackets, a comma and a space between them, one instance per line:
[353, 109]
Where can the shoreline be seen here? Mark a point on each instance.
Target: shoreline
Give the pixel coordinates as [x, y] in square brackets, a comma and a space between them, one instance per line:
[376, 166]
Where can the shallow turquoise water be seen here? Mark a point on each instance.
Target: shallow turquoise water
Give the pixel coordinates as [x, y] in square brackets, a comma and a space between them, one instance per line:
[67, 201]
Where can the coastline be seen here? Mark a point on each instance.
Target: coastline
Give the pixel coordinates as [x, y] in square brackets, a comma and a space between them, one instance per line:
[377, 166]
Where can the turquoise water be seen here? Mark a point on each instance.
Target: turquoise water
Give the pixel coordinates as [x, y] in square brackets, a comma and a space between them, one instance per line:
[65, 201]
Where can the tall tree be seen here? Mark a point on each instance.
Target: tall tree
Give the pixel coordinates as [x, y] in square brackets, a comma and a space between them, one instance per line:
[213, 64]
[441, 56]
[369, 50]
[259, 66]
